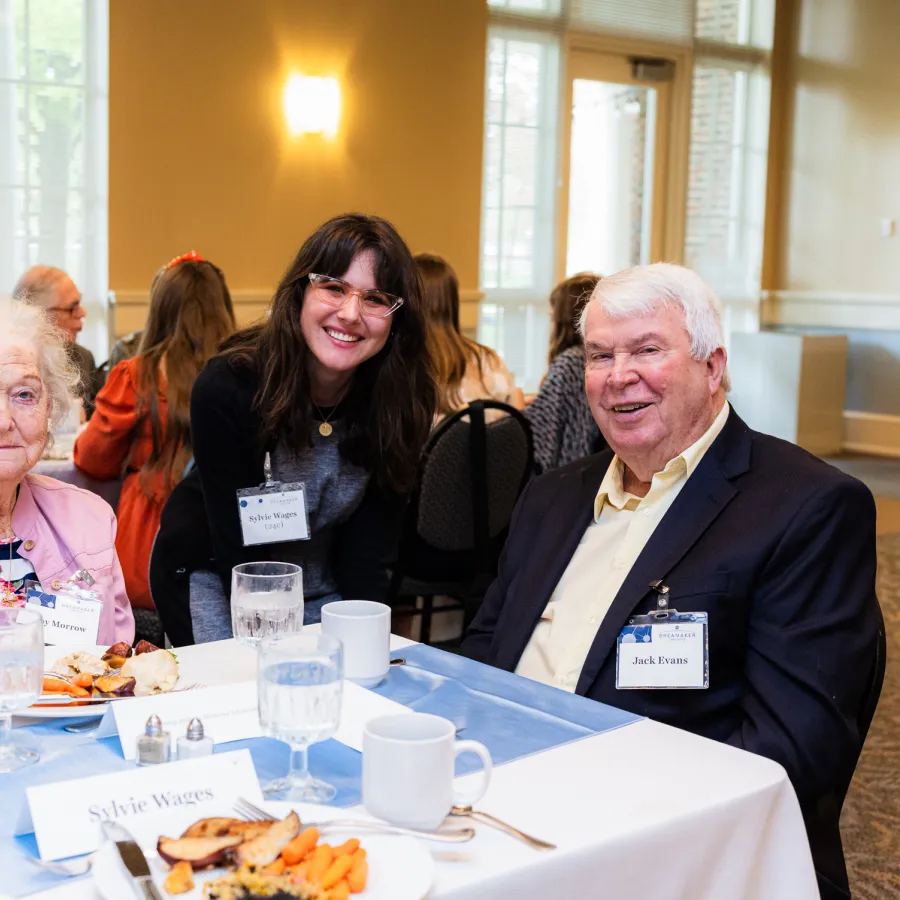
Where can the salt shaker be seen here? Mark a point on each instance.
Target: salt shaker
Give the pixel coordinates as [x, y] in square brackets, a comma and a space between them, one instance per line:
[153, 745]
[194, 743]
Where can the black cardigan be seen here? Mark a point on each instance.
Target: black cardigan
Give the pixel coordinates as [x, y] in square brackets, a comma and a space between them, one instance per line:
[229, 455]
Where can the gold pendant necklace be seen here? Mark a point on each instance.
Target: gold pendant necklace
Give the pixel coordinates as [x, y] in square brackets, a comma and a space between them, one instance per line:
[325, 429]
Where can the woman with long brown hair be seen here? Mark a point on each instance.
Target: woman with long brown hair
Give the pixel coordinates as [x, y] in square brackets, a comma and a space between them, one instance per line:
[562, 425]
[336, 389]
[465, 370]
[141, 426]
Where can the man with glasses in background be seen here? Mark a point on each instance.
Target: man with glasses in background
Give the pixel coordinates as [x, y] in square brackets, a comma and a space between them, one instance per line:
[54, 290]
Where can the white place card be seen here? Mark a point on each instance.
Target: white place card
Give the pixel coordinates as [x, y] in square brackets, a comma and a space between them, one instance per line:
[149, 801]
[69, 620]
[229, 712]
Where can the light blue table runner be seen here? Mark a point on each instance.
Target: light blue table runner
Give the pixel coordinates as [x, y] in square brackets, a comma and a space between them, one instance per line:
[513, 716]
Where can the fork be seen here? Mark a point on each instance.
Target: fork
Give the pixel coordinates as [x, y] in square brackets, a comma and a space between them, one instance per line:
[251, 813]
[70, 867]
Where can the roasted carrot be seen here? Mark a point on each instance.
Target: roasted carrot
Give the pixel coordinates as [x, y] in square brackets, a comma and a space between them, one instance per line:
[276, 868]
[321, 859]
[348, 848]
[300, 846]
[358, 875]
[83, 680]
[341, 891]
[336, 871]
[55, 686]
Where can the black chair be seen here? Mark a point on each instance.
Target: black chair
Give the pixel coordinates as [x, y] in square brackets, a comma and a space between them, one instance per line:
[870, 701]
[471, 475]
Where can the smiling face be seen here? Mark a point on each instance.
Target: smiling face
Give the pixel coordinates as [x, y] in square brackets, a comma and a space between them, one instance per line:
[651, 399]
[24, 410]
[341, 339]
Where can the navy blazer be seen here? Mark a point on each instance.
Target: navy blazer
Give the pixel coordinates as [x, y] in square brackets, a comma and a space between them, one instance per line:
[778, 548]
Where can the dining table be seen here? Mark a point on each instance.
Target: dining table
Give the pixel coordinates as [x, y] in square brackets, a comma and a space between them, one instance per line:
[636, 808]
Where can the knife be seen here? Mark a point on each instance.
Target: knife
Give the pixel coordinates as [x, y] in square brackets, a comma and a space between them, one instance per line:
[133, 858]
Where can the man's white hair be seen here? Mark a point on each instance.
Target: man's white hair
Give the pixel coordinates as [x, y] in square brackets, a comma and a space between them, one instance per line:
[25, 324]
[641, 290]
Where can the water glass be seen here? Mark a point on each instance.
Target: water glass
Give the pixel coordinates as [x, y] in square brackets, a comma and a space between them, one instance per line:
[266, 600]
[21, 678]
[299, 681]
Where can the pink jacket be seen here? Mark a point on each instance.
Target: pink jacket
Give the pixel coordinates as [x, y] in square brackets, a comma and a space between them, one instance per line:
[63, 529]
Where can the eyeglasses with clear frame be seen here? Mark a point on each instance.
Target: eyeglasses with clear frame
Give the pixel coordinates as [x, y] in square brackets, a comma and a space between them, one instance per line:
[336, 292]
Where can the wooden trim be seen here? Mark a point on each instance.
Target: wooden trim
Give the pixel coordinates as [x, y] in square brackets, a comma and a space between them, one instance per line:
[831, 309]
[781, 117]
[130, 310]
[875, 434]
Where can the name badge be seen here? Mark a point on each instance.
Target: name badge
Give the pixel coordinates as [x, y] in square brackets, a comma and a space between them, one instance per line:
[273, 512]
[71, 616]
[663, 652]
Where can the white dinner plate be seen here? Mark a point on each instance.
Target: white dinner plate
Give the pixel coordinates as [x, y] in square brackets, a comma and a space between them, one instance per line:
[400, 868]
[70, 711]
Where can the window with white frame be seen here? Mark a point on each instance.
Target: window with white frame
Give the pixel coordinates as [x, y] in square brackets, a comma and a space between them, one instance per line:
[729, 124]
[729, 144]
[517, 229]
[53, 146]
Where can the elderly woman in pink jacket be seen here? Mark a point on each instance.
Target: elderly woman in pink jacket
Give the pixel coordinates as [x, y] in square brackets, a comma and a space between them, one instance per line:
[49, 531]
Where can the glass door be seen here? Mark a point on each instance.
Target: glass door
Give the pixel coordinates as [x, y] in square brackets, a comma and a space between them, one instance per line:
[611, 201]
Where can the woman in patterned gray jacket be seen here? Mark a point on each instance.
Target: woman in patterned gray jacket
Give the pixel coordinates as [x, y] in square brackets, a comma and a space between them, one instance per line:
[561, 422]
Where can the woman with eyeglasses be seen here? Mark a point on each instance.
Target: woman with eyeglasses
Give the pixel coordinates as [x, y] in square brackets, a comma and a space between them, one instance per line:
[335, 389]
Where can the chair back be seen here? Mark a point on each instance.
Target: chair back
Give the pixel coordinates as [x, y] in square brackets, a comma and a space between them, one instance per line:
[471, 475]
[876, 681]
[870, 701]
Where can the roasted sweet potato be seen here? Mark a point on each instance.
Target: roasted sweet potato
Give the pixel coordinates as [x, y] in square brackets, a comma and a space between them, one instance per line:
[144, 647]
[262, 850]
[180, 879]
[115, 684]
[200, 852]
[214, 827]
[119, 649]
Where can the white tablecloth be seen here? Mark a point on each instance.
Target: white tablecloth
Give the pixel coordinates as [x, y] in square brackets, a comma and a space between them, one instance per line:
[645, 812]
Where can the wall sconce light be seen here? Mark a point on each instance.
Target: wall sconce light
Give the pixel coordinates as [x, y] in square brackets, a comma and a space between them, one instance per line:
[312, 105]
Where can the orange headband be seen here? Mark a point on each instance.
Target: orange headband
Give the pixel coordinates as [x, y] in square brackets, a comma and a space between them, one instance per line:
[192, 256]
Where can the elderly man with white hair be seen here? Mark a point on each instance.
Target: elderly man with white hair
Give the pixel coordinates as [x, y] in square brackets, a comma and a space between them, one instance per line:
[55, 292]
[763, 550]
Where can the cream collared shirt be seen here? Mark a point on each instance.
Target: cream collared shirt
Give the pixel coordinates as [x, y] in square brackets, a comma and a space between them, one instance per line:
[623, 523]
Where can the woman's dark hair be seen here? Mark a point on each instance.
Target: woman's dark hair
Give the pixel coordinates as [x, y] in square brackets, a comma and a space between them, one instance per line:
[566, 303]
[190, 315]
[451, 351]
[390, 407]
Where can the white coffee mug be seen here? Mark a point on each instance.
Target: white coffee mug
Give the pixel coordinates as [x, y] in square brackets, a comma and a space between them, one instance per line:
[364, 628]
[408, 769]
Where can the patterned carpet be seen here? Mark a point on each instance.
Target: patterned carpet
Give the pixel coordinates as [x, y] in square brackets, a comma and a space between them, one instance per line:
[870, 823]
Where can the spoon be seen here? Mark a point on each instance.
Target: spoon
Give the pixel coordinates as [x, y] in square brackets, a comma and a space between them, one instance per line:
[487, 818]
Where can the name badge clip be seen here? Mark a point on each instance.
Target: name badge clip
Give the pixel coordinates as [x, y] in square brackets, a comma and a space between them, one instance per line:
[662, 599]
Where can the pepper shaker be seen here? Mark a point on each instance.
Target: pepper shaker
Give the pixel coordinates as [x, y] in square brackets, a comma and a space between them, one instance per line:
[153, 745]
[194, 743]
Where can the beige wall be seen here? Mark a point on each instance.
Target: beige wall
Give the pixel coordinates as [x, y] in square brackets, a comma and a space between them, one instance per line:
[843, 163]
[200, 157]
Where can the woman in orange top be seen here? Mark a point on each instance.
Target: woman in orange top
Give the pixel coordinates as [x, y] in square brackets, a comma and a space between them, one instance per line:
[141, 426]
